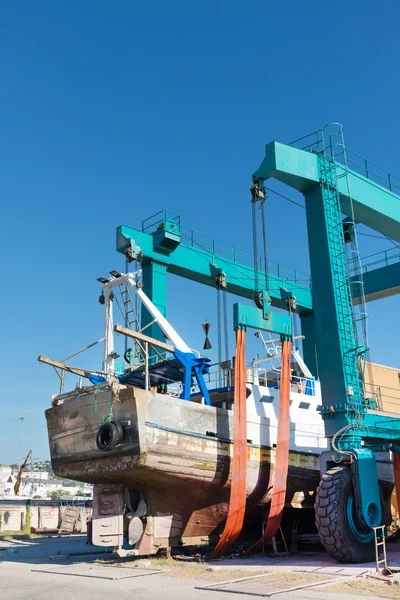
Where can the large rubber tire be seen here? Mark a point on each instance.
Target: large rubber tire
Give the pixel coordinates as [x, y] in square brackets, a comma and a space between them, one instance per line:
[109, 436]
[341, 535]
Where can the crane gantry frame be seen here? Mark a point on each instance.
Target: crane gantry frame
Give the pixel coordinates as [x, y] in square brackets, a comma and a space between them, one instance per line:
[320, 171]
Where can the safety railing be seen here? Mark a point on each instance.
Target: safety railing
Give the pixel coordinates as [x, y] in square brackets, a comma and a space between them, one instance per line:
[379, 259]
[385, 398]
[217, 248]
[220, 378]
[215, 380]
[311, 142]
[320, 142]
[225, 378]
[272, 379]
[154, 357]
[240, 257]
[159, 219]
[370, 170]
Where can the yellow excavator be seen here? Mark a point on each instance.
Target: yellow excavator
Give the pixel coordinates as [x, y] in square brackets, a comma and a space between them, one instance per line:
[21, 470]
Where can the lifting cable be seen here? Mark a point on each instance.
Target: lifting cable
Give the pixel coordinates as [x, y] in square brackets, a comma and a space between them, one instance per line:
[264, 232]
[225, 315]
[278, 475]
[222, 322]
[255, 248]
[219, 325]
[237, 500]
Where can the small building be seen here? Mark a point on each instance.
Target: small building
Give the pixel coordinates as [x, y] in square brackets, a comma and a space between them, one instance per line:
[7, 481]
[383, 385]
[39, 475]
[43, 488]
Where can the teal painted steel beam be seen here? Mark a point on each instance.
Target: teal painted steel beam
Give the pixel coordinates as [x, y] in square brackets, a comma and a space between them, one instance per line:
[204, 267]
[381, 426]
[375, 206]
[309, 343]
[155, 284]
[376, 426]
[380, 283]
[245, 316]
[331, 189]
[332, 318]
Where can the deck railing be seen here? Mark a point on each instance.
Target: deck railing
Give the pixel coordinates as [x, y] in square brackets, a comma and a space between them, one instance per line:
[319, 142]
[217, 248]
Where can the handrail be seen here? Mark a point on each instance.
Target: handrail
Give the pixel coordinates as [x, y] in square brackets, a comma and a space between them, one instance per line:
[368, 167]
[206, 243]
[160, 216]
[389, 257]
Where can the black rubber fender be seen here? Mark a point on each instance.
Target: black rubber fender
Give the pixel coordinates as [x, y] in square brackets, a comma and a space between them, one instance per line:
[109, 436]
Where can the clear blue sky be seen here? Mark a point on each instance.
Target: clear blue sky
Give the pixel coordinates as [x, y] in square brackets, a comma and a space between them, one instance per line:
[110, 111]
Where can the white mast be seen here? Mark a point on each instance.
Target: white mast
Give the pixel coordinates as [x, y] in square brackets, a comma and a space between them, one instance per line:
[108, 362]
[166, 327]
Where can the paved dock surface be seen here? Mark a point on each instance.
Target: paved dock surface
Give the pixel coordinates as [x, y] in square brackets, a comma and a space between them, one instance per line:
[37, 570]
[20, 582]
[43, 547]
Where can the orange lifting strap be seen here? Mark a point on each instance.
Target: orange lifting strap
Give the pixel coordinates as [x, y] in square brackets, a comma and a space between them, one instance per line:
[278, 476]
[237, 501]
[396, 469]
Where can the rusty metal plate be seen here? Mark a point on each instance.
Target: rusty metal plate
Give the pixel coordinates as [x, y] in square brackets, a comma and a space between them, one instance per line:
[273, 583]
[100, 571]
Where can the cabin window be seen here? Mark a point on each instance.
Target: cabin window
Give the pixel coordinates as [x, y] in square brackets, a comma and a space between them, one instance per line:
[304, 405]
[267, 399]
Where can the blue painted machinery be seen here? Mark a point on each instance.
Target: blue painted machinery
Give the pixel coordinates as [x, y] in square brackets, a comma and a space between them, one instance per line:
[340, 189]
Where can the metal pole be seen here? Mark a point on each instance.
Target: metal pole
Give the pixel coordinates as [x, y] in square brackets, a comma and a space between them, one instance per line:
[126, 313]
[108, 332]
[146, 366]
[219, 326]
[22, 419]
[62, 377]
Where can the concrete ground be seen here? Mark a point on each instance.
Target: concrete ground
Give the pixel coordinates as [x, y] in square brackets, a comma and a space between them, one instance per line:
[22, 563]
[42, 547]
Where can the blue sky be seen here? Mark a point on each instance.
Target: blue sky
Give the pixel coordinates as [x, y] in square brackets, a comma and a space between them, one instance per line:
[110, 111]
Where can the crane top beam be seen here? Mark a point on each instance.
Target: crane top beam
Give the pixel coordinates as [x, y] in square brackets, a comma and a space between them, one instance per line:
[193, 261]
[374, 205]
[198, 263]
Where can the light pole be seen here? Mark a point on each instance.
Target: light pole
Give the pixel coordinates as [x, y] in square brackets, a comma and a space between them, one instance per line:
[22, 419]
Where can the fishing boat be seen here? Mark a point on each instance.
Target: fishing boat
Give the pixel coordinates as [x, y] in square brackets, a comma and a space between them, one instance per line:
[155, 435]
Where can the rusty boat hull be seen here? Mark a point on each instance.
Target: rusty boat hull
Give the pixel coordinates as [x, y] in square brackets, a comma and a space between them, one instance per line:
[175, 456]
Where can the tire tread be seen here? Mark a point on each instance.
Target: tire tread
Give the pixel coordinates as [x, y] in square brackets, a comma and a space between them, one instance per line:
[329, 519]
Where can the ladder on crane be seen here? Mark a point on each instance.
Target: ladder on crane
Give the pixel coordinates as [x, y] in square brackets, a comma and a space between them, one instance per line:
[131, 316]
[340, 274]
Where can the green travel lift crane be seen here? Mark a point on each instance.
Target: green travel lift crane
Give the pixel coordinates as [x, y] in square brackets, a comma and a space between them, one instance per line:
[332, 310]
[348, 503]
